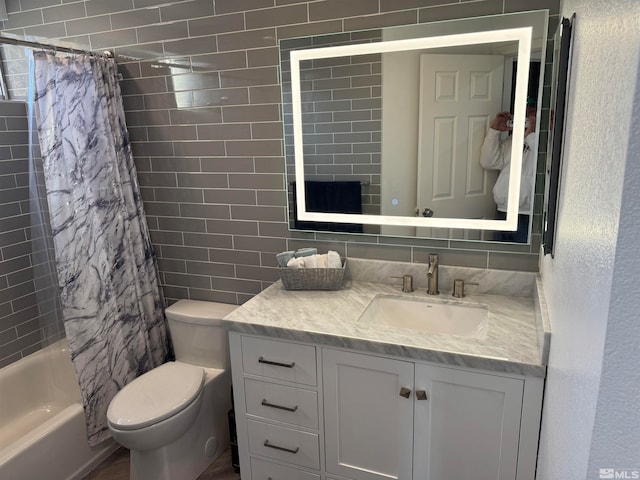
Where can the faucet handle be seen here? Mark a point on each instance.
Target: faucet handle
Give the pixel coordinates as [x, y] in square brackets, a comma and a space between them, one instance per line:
[458, 287]
[407, 282]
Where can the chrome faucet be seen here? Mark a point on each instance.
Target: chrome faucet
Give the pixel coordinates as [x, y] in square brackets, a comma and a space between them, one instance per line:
[432, 275]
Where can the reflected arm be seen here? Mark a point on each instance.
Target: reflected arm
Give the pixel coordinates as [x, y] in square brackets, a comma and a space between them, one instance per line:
[492, 153]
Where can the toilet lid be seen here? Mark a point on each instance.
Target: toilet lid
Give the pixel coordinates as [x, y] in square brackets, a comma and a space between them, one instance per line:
[156, 395]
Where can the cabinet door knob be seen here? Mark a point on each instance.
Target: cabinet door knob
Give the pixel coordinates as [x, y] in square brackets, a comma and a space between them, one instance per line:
[405, 392]
[421, 395]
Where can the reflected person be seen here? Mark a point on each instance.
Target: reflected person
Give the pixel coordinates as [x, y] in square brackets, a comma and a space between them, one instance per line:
[495, 154]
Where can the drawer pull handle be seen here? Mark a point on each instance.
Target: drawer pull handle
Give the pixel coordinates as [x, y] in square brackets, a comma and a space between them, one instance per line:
[265, 403]
[421, 395]
[284, 449]
[277, 364]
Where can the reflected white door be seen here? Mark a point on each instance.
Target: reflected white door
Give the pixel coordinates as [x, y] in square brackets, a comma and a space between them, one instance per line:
[459, 96]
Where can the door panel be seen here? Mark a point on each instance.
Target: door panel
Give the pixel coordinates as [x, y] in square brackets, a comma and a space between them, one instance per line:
[459, 96]
[468, 427]
[368, 425]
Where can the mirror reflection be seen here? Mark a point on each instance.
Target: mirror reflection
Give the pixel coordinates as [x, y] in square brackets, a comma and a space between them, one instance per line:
[495, 155]
[405, 130]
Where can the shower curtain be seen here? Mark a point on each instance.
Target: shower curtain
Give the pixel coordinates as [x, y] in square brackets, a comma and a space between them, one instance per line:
[42, 257]
[113, 310]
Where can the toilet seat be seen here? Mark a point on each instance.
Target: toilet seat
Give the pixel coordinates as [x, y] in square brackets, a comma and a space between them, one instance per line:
[155, 396]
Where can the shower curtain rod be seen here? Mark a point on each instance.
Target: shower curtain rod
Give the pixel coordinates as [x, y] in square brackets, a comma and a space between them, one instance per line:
[46, 46]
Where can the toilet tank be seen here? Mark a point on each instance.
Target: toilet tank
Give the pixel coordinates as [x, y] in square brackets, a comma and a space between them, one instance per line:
[197, 333]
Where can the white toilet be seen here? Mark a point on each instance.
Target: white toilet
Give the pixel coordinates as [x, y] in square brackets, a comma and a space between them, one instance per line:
[173, 418]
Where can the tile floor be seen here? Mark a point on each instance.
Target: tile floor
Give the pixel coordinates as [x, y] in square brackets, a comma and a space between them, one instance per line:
[116, 467]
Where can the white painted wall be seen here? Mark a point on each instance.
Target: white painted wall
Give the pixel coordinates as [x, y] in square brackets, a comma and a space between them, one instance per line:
[591, 418]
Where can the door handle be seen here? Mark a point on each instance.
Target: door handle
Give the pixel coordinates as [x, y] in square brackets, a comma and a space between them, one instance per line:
[405, 392]
[421, 395]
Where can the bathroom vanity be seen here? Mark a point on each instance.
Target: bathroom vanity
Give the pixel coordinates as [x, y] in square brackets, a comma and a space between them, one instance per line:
[321, 392]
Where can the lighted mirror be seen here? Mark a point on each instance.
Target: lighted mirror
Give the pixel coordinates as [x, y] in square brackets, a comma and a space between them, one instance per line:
[391, 123]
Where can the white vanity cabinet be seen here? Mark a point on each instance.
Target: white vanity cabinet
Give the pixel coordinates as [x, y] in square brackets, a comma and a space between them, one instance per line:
[386, 418]
[370, 417]
[277, 408]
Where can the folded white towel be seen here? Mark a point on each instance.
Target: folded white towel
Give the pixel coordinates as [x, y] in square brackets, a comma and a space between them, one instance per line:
[322, 260]
[333, 260]
[296, 262]
[310, 261]
[325, 260]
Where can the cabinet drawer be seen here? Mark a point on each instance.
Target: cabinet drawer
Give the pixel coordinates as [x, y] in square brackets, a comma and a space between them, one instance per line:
[263, 470]
[284, 444]
[284, 404]
[282, 360]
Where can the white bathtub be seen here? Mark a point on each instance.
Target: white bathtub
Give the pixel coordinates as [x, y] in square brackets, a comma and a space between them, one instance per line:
[42, 429]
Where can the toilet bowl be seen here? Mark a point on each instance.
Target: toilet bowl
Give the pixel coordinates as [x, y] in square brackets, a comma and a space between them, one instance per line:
[173, 418]
[157, 408]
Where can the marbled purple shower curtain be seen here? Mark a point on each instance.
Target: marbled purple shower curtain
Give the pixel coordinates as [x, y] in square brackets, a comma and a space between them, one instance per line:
[111, 301]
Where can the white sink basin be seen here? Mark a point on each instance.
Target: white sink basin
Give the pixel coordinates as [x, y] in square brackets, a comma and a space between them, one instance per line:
[435, 316]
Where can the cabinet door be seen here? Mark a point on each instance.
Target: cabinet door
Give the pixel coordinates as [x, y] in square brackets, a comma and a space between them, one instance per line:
[368, 424]
[468, 426]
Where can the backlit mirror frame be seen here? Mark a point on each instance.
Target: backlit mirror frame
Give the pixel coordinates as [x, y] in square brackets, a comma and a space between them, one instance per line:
[522, 35]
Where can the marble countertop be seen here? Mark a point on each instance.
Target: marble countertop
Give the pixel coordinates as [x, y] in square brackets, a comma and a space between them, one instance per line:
[510, 344]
